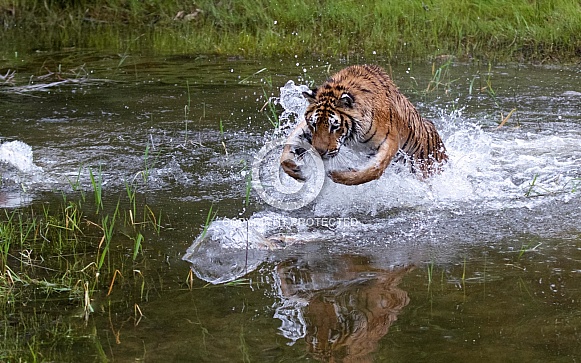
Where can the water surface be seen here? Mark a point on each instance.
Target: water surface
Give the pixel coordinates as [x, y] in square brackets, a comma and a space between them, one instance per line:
[479, 263]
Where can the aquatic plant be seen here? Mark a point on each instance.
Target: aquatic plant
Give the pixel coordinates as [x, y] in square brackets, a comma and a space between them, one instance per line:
[430, 271]
[558, 186]
[147, 165]
[97, 184]
[249, 79]
[209, 218]
[107, 226]
[438, 75]
[137, 248]
[244, 348]
[247, 175]
[222, 137]
[76, 184]
[48, 80]
[187, 109]
[8, 78]
[272, 114]
[68, 251]
[504, 120]
[131, 195]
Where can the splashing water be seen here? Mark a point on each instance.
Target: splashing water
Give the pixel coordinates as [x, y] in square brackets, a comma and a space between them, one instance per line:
[17, 172]
[293, 103]
[495, 168]
[227, 250]
[491, 172]
[19, 155]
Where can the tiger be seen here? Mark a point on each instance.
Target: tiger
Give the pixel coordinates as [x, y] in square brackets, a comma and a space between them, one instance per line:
[361, 106]
[347, 305]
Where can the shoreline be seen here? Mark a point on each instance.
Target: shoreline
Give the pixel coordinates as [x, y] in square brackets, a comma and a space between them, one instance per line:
[497, 31]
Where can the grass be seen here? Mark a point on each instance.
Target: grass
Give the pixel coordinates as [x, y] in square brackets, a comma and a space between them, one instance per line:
[539, 30]
[552, 186]
[187, 109]
[63, 254]
[272, 113]
[438, 75]
[209, 219]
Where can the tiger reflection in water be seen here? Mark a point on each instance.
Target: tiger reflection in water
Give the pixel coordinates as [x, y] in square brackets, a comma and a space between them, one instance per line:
[342, 310]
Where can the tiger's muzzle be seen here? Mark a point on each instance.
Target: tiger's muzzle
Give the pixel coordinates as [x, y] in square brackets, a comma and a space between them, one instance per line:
[327, 154]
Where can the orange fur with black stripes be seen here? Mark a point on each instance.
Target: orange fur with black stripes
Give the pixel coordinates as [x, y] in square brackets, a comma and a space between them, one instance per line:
[362, 107]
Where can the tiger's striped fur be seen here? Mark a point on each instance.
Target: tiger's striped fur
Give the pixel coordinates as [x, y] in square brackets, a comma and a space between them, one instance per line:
[361, 105]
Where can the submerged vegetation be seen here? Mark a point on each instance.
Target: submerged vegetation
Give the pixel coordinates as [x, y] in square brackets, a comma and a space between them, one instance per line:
[498, 30]
[48, 80]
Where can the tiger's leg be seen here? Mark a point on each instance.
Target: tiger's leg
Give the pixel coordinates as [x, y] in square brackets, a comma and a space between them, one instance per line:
[375, 167]
[292, 151]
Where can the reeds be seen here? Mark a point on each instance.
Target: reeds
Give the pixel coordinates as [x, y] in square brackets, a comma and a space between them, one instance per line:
[72, 250]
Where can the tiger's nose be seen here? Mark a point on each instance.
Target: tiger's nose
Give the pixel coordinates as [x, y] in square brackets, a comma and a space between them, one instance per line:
[322, 152]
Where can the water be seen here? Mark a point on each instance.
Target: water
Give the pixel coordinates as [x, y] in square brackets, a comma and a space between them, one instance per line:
[479, 263]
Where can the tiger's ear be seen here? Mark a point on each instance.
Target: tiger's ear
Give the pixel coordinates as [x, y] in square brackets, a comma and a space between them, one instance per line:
[346, 100]
[310, 95]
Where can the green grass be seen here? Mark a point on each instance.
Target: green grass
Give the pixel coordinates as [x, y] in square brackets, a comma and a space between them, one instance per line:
[209, 219]
[38, 338]
[552, 187]
[97, 182]
[70, 254]
[539, 30]
[272, 112]
[187, 109]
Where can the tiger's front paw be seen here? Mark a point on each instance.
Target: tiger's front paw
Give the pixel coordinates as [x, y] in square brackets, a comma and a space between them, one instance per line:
[292, 169]
[346, 177]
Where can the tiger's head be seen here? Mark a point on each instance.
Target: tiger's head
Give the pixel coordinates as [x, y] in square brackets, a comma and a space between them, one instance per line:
[330, 117]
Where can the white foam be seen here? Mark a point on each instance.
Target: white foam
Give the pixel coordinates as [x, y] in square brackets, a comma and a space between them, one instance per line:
[19, 155]
[293, 102]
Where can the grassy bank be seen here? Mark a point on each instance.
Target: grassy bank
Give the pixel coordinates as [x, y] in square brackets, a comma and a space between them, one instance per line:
[529, 30]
